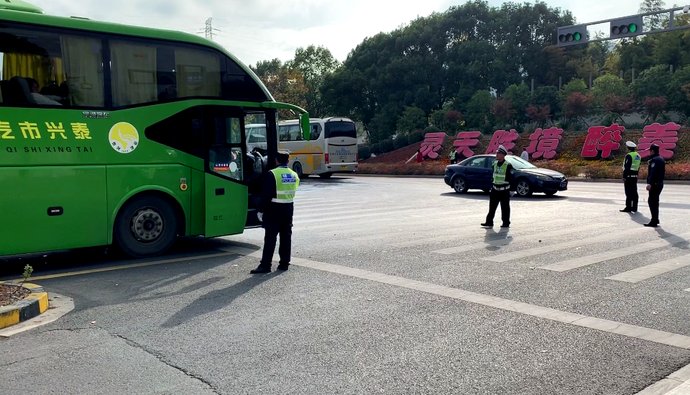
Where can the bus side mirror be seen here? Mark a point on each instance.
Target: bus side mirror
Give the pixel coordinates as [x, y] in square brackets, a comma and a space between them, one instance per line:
[305, 126]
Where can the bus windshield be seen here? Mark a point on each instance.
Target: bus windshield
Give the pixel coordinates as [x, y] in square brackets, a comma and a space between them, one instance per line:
[340, 129]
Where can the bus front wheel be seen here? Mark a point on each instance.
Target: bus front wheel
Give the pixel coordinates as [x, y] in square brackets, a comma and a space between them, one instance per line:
[297, 167]
[145, 226]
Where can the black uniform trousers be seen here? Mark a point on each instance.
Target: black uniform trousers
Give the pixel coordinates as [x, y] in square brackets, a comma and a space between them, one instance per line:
[277, 221]
[653, 200]
[496, 197]
[631, 196]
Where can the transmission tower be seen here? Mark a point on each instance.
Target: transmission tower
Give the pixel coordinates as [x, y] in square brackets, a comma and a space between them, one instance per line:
[209, 29]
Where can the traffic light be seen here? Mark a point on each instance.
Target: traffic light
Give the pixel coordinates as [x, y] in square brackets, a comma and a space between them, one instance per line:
[572, 35]
[626, 27]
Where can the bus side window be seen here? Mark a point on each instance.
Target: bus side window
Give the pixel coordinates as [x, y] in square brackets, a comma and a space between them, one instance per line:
[315, 131]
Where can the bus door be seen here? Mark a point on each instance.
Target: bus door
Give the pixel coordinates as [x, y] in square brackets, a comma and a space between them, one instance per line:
[225, 193]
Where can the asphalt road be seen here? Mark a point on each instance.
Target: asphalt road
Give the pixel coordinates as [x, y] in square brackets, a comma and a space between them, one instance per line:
[394, 288]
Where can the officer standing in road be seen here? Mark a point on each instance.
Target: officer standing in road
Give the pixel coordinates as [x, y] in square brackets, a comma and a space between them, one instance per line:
[631, 167]
[500, 190]
[655, 183]
[275, 210]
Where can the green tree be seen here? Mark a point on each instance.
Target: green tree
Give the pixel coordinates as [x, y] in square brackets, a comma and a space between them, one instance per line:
[284, 82]
[654, 81]
[519, 97]
[412, 118]
[653, 22]
[315, 64]
[606, 86]
[546, 96]
[678, 90]
[478, 111]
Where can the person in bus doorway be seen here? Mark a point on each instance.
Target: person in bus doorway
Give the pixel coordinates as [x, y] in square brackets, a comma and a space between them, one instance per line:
[631, 167]
[276, 208]
[655, 183]
[500, 190]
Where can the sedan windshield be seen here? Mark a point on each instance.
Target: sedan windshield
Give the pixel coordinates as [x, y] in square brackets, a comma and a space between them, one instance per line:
[519, 163]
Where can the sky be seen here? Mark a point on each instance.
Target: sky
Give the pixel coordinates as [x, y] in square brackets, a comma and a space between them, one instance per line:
[256, 30]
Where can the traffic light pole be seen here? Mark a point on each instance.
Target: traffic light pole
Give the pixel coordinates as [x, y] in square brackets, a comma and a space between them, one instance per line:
[565, 35]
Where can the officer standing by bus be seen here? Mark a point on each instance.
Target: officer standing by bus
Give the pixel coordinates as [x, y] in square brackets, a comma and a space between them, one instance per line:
[655, 183]
[631, 167]
[275, 210]
[500, 190]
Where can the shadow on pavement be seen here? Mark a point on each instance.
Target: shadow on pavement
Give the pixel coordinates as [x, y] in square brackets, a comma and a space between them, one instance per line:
[216, 300]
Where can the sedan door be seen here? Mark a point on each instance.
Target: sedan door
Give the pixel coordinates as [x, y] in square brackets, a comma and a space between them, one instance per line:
[478, 172]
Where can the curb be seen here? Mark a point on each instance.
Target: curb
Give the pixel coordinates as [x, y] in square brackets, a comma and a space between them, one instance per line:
[31, 306]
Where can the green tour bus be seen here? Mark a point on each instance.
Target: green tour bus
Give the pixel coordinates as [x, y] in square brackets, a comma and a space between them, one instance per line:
[113, 134]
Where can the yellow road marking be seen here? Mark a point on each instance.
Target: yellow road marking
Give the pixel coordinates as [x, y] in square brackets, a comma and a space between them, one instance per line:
[130, 266]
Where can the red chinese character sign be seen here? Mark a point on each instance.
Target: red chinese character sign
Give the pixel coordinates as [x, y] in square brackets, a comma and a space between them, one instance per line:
[602, 139]
[432, 144]
[464, 142]
[665, 136]
[543, 143]
[504, 138]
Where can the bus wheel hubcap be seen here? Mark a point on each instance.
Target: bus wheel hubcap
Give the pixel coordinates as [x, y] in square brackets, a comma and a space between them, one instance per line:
[147, 225]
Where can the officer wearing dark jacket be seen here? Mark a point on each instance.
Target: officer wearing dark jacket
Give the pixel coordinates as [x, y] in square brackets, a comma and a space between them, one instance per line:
[276, 208]
[655, 183]
[631, 167]
[500, 190]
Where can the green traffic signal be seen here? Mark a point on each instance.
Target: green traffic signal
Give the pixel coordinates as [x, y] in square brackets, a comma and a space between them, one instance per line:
[577, 36]
[632, 28]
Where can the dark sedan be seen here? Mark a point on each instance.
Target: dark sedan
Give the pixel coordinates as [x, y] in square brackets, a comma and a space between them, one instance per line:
[476, 173]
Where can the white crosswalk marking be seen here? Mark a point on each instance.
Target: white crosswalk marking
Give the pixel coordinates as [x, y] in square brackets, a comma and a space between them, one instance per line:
[653, 270]
[583, 261]
[509, 256]
[504, 241]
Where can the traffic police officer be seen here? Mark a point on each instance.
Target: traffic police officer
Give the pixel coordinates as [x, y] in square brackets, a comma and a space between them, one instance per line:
[275, 210]
[655, 183]
[631, 167]
[500, 190]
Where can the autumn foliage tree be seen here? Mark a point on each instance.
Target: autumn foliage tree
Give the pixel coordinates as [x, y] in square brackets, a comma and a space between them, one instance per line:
[539, 114]
[577, 105]
[654, 106]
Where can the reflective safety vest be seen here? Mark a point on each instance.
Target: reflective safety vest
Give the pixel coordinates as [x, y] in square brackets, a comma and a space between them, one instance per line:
[287, 182]
[500, 173]
[636, 160]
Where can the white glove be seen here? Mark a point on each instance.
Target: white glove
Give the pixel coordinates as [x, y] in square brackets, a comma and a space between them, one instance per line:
[260, 216]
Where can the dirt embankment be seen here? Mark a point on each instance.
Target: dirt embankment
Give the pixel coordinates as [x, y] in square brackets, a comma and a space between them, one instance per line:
[568, 161]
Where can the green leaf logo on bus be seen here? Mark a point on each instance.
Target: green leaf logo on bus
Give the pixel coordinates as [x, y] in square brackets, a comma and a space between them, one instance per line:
[124, 137]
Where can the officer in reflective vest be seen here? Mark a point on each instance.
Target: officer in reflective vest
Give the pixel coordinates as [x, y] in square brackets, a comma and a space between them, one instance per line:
[631, 166]
[500, 190]
[276, 209]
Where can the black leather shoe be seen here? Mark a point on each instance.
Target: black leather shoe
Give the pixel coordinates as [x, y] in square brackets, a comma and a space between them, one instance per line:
[652, 224]
[284, 266]
[505, 226]
[261, 269]
[487, 225]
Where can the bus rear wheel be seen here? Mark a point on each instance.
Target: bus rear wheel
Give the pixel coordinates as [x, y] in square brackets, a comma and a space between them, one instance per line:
[145, 226]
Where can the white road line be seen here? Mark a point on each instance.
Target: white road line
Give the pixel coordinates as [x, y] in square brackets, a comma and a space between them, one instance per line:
[620, 328]
[475, 233]
[583, 261]
[509, 256]
[394, 218]
[653, 270]
[505, 241]
[677, 383]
